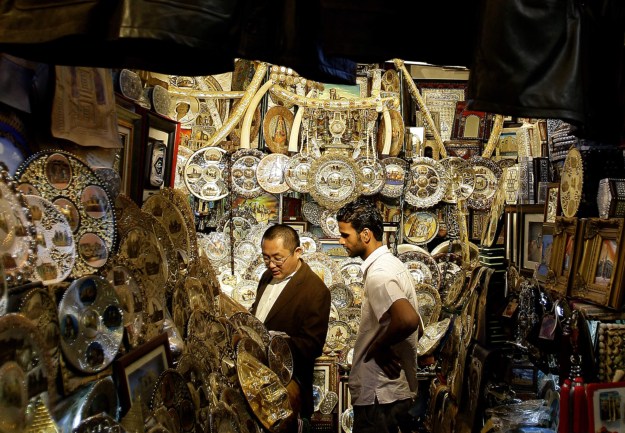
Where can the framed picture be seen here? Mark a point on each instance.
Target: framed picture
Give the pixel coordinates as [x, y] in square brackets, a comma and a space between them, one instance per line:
[507, 146]
[543, 272]
[601, 263]
[129, 128]
[333, 248]
[441, 97]
[552, 202]
[265, 207]
[564, 255]
[325, 374]
[532, 240]
[299, 226]
[606, 406]
[137, 371]
[468, 124]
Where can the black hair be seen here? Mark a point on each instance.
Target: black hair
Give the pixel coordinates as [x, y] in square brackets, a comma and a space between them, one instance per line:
[362, 214]
[290, 238]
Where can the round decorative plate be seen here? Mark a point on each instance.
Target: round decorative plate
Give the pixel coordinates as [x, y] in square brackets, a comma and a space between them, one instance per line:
[422, 267]
[91, 321]
[297, 170]
[223, 419]
[214, 244]
[280, 359]
[245, 292]
[17, 233]
[172, 398]
[206, 173]
[129, 289]
[270, 173]
[180, 199]
[487, 175]
[428, 303]
[250, 346]
[494, 214]
[347, 420]
[571, 183]
[432, 335]
[329, 223]
[251, 326]
[312, 212]
[172, 219]
[277, 129]
[243, 172]
[14, 399]
[184, 110]
[100, 398]
[341, 296]
[334, 313]
[55, 243]
[452, 279]
[127, 212]
[74, 188]
[395, 176]
[21, 342]
[325, 267]
[255, 235]
[461, 179]
[351, 315]
[151, 222]
[236, 224]
[339, 334]
[456, 249]
[420, 227]
[351, 271]
[233, 397]
[334, 180]
[373, 175]
[357, 289]
[40, 307]
[309, 242]
[428, 182]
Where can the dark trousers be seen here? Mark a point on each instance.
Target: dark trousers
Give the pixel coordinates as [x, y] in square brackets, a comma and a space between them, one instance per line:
[384, 418]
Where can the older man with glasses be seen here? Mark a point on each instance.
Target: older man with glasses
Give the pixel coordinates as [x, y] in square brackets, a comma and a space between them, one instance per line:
[291, 300]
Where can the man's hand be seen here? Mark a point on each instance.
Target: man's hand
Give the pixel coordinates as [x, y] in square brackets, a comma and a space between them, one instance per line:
[387, 360]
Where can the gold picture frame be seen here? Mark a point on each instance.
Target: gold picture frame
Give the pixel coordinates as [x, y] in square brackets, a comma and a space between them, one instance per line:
[601, 270]
[564, 257]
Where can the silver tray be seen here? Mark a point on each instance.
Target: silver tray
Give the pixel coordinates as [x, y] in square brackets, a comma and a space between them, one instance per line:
[243, 172]
[428, 182]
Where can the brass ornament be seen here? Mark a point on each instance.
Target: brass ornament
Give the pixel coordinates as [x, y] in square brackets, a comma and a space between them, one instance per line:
[428, 182]
[487, 175]
[206, 173]
[571, 183]
[334, 180]
[461, 178]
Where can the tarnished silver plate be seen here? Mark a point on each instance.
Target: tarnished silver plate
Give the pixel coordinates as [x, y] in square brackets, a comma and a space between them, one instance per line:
[374, 176]
[487, 175]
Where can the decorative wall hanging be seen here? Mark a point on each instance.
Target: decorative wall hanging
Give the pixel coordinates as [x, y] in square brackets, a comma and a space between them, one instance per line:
[270, 173]
[395, 170]
[329, 223]
[487, 175]
[280, 359]
[422, 267]
[206, 173]
[428, 182]
[334, 180]
[172, 396]
[428, 303]
[461, 179]
[277, 129]
[74, 188]
[243, 172]
[421, 227]
[297, 171]
[397, 134]
[373, 174]
[571, 183]
[312, 212]
[326, 268]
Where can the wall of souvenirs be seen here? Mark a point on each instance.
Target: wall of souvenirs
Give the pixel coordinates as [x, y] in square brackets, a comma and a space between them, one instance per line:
[133, 205]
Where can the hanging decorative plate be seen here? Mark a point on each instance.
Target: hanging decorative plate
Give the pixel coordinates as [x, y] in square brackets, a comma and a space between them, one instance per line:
[21, 342]
[243, 172]
[14, 400]
[432, 335]
[452, 279]
[347, 419]
[250, 346]
[341, 296]
[256, 233]
[422, 267]
[309, 243]
[130, 84]
[166, 245]
[17, 233]
[73, 187]
[338, 336]
[351, 315]
[456, 249]
[91, 321]
[357, 290]
[420, 227]
[180, 199]
[55, 243]
[461, 179]
[297, 171]
[171, 400]
[571, 183]
[351, 271]
[143, 252]
[127, 213]
[334, 313]
[38, 306]
[374, 176]
[395, 173]
[228, 278]
[171, 218]
[223, 419]
[329, 402]
[312, 212]
[161, 100]
[191, 367]
[494, 215]
[334, 180]
[233, 397]
[270, 173]
[245, 292]
[251, 326]
[97, 400]
[397, 134]
[214, 244]
[329, 224]
[325, 267]
[487, 175]
[236, 224]
[206, 351]
[184, 110]
[277, 129]
[130, 292]
[265, 394]
[206, 173]
[428, 182]
[280, 359]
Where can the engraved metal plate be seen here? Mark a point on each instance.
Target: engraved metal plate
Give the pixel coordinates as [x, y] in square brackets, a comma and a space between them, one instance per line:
[91, 321]
[428, 182]
[571, 183]
[236, 224]
[243, 172]
[420, 227]
[56, 250]
[277, 129]
[373, 175]
[130, 84]
[270, 173]
[428, 303]
[461, 179]
[395, 172]
[334, 180]
[74, 188]
[251, 326]
[341, 296]
[280, 359]
[214, 244]
[422, 267]
[325, 267]
[350, 270]
[161, 100]
[487, 175]
[206, 173]
[309, 243]
[245, 292]
[312, 212]
[432, 335]
[171, 401]
[329, 224]
[297, 171]
[339, 333]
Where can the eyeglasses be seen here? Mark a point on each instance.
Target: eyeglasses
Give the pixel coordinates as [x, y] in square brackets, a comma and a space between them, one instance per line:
[277, 262]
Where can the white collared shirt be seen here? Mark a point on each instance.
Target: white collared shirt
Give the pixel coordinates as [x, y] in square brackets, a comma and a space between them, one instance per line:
[271, 293]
